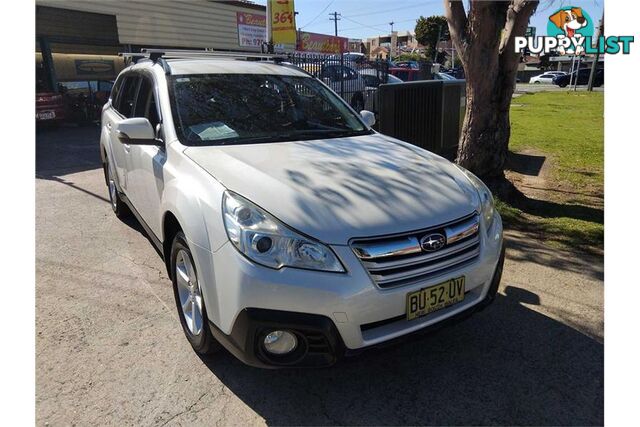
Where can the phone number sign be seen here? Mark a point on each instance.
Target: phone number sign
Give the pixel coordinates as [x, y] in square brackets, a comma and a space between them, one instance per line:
[252, 29]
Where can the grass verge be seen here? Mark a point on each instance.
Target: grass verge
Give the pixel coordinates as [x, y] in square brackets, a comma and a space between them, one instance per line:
[563, 204]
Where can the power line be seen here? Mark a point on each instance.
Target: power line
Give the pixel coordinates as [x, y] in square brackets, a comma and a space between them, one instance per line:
[363, 25]
[376, 12]
[318, 15]
[391, 10]
[378, 24]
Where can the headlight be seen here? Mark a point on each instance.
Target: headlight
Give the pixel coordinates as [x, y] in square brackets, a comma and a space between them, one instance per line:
[267, 241]
[487, 206]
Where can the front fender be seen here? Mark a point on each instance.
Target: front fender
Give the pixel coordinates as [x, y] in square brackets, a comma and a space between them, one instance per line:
[196, 202]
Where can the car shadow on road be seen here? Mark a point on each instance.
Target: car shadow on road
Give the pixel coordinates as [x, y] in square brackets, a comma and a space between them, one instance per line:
[507, 365]
[66, 150]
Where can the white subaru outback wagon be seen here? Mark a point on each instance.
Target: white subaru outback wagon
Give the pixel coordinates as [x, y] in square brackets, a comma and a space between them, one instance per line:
[293, 233]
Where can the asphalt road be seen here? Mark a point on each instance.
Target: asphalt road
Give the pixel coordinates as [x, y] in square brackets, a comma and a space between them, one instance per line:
[542, 87]
[110, 350]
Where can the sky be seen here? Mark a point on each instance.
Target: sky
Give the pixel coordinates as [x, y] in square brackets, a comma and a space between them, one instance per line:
[367, 18]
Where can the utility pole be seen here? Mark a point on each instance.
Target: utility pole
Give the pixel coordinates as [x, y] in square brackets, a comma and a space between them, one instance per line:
[435, 48]
[594, 64]
[392, 51]
[335, 20]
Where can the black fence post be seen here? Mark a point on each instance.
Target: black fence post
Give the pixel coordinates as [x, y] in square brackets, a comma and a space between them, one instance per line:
[342, 75]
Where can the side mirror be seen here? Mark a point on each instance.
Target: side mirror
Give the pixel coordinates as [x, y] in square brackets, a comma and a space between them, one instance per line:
[368, 117]
[137, 131]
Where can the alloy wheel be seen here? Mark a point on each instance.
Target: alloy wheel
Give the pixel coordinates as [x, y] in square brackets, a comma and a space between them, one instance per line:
[189, 292]
[113, 191]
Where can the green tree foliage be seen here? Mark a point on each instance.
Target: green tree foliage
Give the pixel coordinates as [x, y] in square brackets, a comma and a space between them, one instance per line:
[409, 57]
[427, 30]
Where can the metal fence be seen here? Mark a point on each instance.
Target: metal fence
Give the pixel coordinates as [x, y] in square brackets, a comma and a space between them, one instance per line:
[427, 114]
[355, 78]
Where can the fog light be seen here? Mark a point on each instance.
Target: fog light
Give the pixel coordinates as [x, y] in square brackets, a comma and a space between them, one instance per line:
[280, 342]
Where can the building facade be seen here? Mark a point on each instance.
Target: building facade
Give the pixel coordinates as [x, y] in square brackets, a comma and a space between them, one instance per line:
[104, 27]
[395, 43]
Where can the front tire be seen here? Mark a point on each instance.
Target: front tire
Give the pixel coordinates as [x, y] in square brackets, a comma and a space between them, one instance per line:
[188, 296]
[119, 207]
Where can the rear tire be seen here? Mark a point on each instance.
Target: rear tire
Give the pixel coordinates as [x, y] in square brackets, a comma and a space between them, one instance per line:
[189, 300]
[119, 207]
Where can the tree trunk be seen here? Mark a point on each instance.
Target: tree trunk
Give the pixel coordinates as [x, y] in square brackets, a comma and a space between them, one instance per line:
[484, 141]
[485, 39]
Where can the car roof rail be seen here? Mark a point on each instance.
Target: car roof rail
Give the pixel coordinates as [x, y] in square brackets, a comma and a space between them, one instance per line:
[160, 56]
[153, 57]
[200, 54]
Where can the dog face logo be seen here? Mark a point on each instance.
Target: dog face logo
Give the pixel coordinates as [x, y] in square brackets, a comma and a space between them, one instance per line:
[570, 25]
[569, 20]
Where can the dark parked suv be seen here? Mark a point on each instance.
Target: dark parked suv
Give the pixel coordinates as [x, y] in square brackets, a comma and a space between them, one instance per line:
[583, 78]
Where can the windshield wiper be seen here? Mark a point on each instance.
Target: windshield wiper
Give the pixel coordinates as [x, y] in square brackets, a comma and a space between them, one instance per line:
[329, 133]
[295, 136]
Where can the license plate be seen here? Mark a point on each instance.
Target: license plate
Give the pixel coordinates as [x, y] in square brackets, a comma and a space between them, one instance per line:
[46, 115]
[427, 300]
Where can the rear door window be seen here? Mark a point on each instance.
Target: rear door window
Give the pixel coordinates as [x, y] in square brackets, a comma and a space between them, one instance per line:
[403, 75]
[349, 74]
[146, 102]
[116, 89]
[127, 96]
[330, 72]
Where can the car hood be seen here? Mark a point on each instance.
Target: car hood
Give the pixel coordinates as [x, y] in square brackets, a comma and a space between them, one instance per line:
[338, 189]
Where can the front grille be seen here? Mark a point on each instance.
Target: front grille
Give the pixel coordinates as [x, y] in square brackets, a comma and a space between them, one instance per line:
[400, 259]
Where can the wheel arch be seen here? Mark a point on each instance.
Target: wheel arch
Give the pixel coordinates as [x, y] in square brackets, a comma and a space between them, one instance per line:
[172, 224]
[170, 227]
[103, 158]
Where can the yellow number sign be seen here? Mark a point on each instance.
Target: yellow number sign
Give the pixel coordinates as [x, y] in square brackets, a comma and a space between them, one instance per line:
[283, 21]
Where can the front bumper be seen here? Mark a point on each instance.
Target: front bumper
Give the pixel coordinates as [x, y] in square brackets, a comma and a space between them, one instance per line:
[321, 341]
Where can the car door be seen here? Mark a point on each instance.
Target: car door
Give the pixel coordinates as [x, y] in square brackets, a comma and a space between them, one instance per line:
[122, 108]
[330, 77]
[146, 178]
[356, 82]
[583, 77]
[372, 83]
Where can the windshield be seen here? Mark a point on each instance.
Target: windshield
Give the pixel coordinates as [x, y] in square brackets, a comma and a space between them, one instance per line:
[213, 109]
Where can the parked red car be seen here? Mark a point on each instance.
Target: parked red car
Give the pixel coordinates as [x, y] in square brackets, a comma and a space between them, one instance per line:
[406, 74]
[49, 107]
